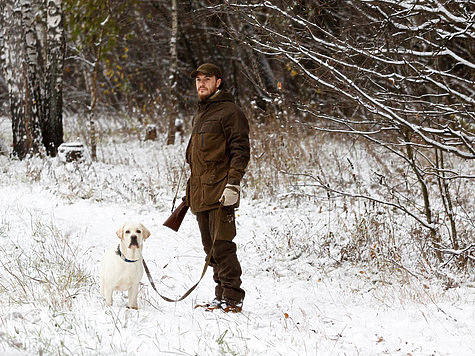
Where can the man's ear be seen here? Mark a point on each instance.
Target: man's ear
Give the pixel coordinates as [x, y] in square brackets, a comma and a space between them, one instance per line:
[146, 232]
[218, 82]
[120, 232]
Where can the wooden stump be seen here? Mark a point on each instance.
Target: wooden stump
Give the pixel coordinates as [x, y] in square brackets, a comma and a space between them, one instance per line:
[151, 133]
[71, 151]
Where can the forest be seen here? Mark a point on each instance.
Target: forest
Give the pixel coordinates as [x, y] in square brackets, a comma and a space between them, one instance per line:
[395, 75]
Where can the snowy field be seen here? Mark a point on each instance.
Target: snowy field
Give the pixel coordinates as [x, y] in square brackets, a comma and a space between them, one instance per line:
[56, 220]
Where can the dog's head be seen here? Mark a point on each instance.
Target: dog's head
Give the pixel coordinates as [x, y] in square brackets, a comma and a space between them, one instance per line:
[133, 235]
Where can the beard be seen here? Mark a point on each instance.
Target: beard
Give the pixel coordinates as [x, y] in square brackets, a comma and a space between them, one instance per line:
[207, 94]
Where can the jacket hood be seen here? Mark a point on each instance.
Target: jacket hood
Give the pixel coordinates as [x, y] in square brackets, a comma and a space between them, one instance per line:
[222, 96]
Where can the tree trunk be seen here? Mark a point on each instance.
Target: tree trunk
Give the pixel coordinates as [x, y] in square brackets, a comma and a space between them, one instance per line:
[33, 49]
[425, 195]
[92, 107]
[16, 67]
[52, 125]
[172, 113]
[446, 197]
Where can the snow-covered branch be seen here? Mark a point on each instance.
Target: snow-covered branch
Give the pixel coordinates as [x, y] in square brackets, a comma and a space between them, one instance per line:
[402, 82]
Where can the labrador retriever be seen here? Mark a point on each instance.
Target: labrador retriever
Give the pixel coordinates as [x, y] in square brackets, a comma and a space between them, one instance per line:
[122, 267]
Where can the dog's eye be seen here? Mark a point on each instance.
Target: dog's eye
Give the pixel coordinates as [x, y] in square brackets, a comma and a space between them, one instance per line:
[127, 231]
[138, 232]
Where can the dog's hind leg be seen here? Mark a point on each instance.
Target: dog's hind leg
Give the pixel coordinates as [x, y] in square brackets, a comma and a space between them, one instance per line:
[106, 293]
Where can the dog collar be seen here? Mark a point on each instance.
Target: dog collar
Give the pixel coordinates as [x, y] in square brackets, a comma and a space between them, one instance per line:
[122, 256]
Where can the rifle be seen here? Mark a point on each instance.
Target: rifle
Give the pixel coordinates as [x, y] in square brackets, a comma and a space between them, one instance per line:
[175, 219]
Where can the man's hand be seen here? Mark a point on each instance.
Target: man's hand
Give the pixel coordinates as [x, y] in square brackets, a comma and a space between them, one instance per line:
[230, 195]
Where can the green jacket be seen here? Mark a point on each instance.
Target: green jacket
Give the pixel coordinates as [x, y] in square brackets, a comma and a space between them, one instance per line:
[218, 151]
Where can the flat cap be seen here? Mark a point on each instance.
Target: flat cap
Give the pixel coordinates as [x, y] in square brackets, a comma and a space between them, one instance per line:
[207, 69]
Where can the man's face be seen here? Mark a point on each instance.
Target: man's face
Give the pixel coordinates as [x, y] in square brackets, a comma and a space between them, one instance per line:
[206, 85]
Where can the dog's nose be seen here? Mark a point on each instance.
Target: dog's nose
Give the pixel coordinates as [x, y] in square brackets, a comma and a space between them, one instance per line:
[133, 240]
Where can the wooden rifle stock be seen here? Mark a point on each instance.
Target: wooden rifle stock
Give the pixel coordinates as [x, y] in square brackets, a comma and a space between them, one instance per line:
[176, 217]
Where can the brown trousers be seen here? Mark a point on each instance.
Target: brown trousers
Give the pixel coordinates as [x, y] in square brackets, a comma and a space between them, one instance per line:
[226, 267]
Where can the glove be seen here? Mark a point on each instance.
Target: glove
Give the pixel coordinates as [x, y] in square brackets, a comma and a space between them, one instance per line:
[230, 195]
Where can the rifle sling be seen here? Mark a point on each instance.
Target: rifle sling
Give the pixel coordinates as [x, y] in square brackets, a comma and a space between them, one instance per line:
[205, 267]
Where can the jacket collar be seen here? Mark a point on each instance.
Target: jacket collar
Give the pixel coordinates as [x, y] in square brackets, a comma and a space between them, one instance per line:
[219, 96]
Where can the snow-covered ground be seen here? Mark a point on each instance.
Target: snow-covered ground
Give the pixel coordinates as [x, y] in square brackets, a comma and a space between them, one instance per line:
[56, 221]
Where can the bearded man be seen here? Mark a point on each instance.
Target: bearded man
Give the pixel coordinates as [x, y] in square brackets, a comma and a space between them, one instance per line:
[218, 153]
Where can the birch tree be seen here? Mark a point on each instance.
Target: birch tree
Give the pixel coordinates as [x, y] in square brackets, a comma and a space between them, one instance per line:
[173, 77]
[52, 124]
[23, 109]
[32, 62]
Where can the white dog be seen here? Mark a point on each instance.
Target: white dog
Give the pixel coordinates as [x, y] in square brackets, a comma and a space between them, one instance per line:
[122, 267]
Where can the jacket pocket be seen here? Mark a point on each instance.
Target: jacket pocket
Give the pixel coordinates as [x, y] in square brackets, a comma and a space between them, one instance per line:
[227, 225]
[213, 187]
[212, 147]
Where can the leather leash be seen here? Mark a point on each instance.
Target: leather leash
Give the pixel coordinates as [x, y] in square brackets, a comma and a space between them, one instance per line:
[205, 267]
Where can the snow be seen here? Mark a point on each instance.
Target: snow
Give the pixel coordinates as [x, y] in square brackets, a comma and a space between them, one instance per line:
[57, 219]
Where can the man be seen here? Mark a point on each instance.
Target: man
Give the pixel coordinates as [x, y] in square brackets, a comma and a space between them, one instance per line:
[218, 154]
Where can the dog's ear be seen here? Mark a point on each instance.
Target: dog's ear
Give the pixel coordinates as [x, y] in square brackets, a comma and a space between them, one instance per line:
[146, 232]
[120, 232]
